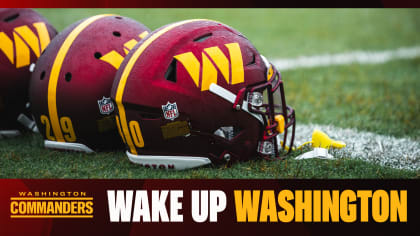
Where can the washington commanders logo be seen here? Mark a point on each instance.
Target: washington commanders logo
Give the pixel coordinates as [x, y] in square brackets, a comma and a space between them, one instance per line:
[68, 204]
[232, 68]
[106, 106]
[170, 111]
[23, 40]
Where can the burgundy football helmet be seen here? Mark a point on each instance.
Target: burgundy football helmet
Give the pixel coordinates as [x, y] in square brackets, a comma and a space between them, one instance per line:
[71, 83]
[24, 34]
[196, 92]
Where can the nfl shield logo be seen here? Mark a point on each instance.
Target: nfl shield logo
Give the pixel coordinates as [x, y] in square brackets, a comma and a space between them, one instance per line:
[106, 106]
[170, 111]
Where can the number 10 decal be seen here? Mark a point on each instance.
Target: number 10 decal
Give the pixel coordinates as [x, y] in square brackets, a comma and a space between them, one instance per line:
[135, 132]
[66, 126]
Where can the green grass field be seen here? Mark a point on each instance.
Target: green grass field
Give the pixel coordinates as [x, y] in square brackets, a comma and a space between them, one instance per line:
[381, 98]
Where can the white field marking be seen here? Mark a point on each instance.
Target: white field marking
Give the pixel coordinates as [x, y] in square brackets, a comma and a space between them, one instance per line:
[400, 153]
[361, 57]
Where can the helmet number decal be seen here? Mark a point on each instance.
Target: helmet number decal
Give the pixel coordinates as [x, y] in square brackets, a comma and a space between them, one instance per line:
[117, 119]
[66, 126]
[44, 120]
[135, 132]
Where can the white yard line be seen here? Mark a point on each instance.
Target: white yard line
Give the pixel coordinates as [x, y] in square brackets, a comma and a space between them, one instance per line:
[400, 153]
[361, 57]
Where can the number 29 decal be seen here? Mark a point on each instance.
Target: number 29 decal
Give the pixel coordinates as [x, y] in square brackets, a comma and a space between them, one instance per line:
[66, 126]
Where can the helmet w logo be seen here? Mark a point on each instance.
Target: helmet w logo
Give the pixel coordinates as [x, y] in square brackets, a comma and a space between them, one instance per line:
[232, 68]
[24, 39]
[114, 58]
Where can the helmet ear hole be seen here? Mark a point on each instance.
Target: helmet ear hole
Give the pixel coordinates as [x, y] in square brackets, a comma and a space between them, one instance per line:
[42, 75]
[170, 74]
[202, 37]
[11, 18]
[252, 61]
[116, 34]
[68, 76]
[97, 55]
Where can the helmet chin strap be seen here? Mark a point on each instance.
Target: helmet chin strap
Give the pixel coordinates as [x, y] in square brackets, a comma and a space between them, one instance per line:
[231, 97]
[27, 123]
[23, 120]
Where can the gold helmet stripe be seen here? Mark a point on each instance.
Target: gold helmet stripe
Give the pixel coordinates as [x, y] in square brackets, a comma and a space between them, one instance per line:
[123, 81]
[55, 72]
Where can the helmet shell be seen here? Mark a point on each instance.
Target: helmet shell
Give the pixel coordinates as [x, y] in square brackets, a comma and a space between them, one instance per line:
[153, 75]
[70, 87]
[24, 34]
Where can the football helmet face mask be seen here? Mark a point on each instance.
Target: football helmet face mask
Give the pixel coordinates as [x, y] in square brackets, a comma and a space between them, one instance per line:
[70, 86]
[192, 93]
[24, 34]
